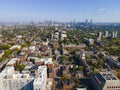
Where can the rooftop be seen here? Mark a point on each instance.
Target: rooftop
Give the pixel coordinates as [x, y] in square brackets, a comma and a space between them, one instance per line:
[108, 76]
[13, 60]
[45, 60]
[6, 71]
[41, 75]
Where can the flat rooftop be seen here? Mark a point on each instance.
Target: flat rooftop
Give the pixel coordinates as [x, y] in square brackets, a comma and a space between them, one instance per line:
[13, 61]
[108, 76]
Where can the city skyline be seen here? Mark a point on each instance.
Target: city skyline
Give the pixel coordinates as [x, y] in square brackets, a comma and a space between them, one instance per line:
[62, 10]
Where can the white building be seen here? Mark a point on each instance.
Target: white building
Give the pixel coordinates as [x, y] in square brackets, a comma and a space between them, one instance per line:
[114, 34]
[89, 41]
[45, 60]
[106, 34]
[56, 35]
[13, 62]
[15, 47]
[81, 89]
[63, 35]
[105, 81]
[19, 36]
[12, 80]
[41, 78]
[17, 84]
[7, 72]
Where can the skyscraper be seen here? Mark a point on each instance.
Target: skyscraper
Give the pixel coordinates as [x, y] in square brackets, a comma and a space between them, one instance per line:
[99, 36]
[106, 34]
[91, 22]
[74, 21]
[86, 21]
[116, 34]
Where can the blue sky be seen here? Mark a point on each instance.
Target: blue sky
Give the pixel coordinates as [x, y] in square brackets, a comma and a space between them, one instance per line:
[60, 10]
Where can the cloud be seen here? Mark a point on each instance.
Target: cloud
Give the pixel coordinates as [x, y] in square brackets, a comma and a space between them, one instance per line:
[117, 12]
[109, 11]
[102, 9]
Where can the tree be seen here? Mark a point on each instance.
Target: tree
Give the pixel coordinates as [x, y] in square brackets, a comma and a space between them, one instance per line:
[118, 73]
[6, 55]
[81, 68]
[87, 48]
[24, 45]
[64, 58]
[53, 85]
[119, 59]
[4, 47]
[12, 43]
[77, 82]
[20, 67]
[64, 78]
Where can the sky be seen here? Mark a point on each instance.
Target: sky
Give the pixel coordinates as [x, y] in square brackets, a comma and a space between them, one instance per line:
[59, 10]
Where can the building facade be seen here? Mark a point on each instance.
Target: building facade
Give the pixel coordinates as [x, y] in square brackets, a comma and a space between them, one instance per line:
[105, 81]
